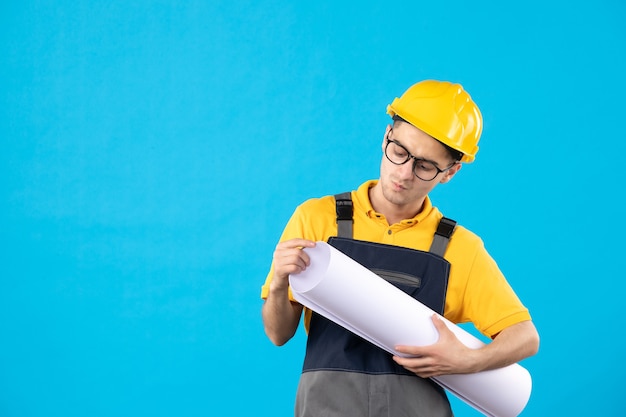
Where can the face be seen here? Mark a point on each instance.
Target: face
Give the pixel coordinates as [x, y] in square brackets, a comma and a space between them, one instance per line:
[400, 187]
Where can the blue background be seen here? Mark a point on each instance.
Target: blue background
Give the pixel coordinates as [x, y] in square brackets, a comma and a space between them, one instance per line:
[153, 151]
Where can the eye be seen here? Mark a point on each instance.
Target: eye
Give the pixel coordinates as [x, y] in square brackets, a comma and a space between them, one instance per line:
[425, 166]
[399, 151]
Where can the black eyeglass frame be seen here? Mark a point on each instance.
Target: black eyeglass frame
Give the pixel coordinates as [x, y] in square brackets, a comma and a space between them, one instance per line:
[416, 160]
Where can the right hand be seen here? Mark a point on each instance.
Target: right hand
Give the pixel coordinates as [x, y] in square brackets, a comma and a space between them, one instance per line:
[289, 258]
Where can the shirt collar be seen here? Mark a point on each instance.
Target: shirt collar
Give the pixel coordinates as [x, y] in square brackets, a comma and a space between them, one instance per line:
[362, 202]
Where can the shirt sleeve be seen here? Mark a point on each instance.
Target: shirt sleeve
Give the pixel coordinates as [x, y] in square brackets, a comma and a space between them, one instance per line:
[488, 300]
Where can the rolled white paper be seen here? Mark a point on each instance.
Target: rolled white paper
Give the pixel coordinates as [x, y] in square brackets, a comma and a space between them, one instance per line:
[347, 293]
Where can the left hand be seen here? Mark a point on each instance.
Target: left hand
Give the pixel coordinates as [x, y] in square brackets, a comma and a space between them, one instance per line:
[446, 356]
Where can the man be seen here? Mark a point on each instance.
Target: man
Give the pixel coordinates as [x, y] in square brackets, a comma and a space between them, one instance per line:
[436, 127]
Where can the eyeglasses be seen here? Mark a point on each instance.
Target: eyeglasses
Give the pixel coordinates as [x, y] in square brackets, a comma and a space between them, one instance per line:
[423, 169]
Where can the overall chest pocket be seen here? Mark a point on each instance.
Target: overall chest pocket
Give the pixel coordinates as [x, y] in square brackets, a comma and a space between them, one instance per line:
[408, 283]
[422, 275]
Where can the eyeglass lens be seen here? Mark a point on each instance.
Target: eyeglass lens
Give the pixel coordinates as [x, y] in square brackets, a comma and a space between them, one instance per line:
[398, 155]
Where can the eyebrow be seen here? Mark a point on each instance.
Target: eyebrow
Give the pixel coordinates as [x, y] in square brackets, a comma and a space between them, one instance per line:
[415, 157]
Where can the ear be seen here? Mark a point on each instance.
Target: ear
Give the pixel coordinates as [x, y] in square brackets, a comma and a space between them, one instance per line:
[387, 130]
[447, 176]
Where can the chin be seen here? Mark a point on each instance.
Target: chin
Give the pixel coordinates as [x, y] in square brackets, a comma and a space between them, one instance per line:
[399, 198]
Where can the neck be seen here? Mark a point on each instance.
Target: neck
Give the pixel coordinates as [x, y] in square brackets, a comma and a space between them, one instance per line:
[394, 213]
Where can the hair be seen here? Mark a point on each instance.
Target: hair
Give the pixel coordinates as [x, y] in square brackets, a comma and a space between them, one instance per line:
[454, 154]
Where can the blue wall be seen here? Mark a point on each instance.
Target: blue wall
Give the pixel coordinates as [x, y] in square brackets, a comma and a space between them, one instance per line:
[153, 151]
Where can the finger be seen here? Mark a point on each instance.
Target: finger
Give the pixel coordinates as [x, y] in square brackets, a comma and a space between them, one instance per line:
[292, 249]
[296, 243]
[289, 263]
[415, 365]
[291, 256]
[409, 350]
[438, 323]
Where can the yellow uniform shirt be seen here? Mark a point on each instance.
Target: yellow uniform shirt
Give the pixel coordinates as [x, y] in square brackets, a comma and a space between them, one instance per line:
[477, 290]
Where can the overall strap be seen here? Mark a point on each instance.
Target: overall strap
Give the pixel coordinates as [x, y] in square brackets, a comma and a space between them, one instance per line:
[442, 236]
[345, 210]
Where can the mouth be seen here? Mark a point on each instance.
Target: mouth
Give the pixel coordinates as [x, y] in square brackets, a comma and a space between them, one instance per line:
[397, 186]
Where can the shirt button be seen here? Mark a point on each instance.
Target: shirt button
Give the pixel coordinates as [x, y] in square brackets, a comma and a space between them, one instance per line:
[389, 232]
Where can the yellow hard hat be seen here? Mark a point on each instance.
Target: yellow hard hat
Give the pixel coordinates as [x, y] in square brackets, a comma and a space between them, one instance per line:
[443, 110]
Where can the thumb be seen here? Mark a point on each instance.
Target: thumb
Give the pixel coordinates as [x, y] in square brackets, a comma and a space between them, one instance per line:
[439, 324]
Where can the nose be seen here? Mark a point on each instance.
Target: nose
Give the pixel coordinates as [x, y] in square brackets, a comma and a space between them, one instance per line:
[405, 171]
